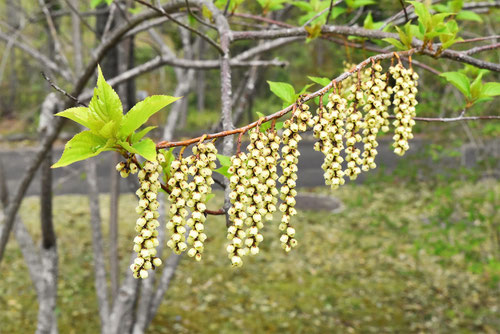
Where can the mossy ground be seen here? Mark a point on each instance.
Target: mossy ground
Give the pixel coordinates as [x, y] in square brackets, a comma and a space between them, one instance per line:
[398, 259]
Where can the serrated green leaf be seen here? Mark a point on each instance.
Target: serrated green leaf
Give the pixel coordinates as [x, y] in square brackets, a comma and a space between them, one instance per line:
[283, 90]
[260, 114]
[82, 146]
[224, 170]
[139, 135]
[141, 112]
[105, 103]
[224, 160]
[467, 15]
[459, 80]
[490, 89]
[83, 116]
[320, 80]
[395, 42]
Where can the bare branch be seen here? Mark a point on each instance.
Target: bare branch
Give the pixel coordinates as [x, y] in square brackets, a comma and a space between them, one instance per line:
[62, 91]
[45, 61]
[478, 49]
[59, 55]
[375, 34]
[171, 18]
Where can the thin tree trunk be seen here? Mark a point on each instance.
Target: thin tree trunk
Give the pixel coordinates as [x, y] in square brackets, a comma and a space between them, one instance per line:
[114, 195]
[97, 243]
[47, 321]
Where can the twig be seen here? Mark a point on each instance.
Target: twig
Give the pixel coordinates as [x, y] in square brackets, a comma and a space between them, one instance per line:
[171, 18]
[314, 17]
[404, 10]
[197, 18]
[330, 9]
[478, 49]
[226, 7]
[286, 110]
[62, 91]
[455, 119]
[478, 39]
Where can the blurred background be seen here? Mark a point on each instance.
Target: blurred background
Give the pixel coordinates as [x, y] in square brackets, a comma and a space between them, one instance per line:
[411, 247]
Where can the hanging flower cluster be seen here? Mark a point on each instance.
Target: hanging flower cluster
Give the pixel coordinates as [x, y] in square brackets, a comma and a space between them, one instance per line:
[351, 118]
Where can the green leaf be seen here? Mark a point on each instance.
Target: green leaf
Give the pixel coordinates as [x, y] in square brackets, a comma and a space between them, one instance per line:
[169, 157]
[440, 8]
[83, 116]
[322, 81]
[139, 135]
[313, 32]
[283, 90]
[467, 15]
[458, 80]
[360, 3]
[267, 125]
[455, 5]
[82, 146]
[303, 90]
[395, 42]
[337, 11]
[95, 3]
[136, 10]
[368, 22]
[490, 89]
[475, 87]
[209, 197]
[305, 6]
[145, 148]
[224, 171]
[205, 12]
[423, 13]
[105, 103]
[224, 160]
[141, 112]
[108, 130]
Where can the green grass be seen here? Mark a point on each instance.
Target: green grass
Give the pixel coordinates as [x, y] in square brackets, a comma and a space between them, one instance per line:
[397, 259]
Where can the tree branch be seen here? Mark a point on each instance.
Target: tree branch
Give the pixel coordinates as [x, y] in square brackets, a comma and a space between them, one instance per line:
[171, 18]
